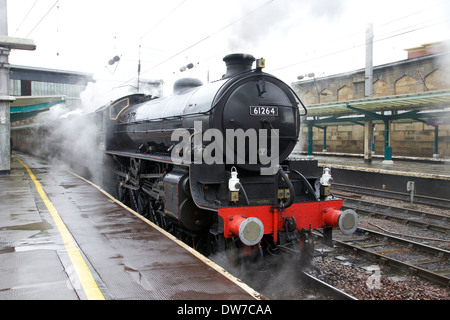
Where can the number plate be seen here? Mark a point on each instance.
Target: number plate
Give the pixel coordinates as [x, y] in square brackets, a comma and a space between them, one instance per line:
[263, 111]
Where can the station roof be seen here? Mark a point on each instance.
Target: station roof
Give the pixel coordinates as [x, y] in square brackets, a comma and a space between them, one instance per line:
[50, 75]
[24, 107]
[418, 107]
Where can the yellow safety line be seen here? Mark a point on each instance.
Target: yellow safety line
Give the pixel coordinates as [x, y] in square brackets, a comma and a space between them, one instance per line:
[84, 274]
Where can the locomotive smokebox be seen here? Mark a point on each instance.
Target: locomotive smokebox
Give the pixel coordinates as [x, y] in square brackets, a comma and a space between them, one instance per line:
[238, 63]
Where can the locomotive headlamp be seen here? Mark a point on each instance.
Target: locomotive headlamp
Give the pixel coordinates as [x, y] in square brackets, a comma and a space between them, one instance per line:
[249, 230]
[326, 178]
[233, 183]
[325, 182]
[260, 63]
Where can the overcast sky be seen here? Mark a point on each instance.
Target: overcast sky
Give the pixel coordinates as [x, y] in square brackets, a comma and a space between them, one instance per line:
[294, 36]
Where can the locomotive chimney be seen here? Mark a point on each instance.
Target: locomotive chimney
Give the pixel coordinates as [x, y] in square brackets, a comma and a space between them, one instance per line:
[238, 63]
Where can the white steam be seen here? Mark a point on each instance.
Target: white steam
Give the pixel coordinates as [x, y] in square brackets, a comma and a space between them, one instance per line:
[255, 23]
[72, 137]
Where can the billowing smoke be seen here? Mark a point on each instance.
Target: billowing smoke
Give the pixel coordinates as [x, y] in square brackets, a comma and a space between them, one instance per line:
[255, 23]
[75, 138]
[69, 137]
[444, 29]
[445, 64]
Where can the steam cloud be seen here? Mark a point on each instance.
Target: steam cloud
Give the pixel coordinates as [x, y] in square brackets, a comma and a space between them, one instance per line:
[254, 23]
[71, 136]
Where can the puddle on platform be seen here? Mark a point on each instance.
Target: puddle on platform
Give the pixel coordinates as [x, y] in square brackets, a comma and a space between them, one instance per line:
[26, 237]
[40, 226]
[68, 186]
[138, 278]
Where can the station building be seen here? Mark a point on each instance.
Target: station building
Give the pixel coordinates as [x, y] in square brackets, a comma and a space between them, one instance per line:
[409, 108]
[38, 89]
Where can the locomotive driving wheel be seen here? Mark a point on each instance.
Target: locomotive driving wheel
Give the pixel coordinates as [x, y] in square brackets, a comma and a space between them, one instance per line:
[143, 203]
[134, 171]
[122, 190]
[134, 188]
[128, 188]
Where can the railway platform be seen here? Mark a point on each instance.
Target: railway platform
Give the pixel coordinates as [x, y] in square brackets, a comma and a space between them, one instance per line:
[431, 176]
[63, 238]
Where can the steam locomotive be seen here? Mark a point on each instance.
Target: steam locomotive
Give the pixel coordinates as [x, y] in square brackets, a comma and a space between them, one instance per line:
[211, 163]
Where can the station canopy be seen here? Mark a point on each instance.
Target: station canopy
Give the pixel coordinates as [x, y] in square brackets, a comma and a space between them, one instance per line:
[431, 107]
[24, 107]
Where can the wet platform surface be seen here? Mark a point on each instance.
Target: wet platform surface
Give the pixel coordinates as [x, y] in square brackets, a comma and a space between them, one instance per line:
[127, 257]
[407, 167]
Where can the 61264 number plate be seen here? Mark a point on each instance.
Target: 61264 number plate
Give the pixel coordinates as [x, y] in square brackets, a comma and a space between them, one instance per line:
[263, 111]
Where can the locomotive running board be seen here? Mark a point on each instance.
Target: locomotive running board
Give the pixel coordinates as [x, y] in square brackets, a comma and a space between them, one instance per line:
[150, 157]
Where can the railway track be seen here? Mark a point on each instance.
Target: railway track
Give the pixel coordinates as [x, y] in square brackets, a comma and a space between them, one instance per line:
[401, 256]
[284, 280]
[418, 199]
[399, 251]
[326, 289]
[416, 259]
[397, 257]
[403, 215]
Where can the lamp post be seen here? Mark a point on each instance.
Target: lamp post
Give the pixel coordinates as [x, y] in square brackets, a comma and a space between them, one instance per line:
[310, 126]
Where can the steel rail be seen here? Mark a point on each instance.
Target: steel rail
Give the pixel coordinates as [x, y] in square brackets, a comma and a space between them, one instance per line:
[438, 202]
[326, 288]
[404, 215]
[435, 254]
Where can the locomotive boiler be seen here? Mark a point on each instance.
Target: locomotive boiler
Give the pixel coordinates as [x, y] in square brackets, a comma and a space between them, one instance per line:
[211, 164]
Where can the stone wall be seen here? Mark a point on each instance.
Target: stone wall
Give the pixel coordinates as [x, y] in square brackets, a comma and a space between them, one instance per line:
[425, 73]
[414, 139]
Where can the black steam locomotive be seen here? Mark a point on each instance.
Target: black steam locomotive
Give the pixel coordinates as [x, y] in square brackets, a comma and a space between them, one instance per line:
[211, 164]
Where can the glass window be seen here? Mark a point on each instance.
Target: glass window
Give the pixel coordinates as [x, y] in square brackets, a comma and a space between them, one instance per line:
[14, 87]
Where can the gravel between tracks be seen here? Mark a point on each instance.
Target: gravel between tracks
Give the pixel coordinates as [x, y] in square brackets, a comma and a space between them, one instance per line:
[351, 274]
[366, 286]
[354, 275]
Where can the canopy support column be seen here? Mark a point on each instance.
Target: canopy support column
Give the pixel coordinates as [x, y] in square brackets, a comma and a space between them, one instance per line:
[436, 142]
[310, 139]
[368, 136]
